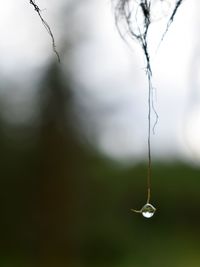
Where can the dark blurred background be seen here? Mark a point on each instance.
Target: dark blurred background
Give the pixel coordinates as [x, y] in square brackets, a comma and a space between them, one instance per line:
[65, 199]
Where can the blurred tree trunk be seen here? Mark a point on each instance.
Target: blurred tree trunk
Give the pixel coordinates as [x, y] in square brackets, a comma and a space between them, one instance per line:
[58, 158]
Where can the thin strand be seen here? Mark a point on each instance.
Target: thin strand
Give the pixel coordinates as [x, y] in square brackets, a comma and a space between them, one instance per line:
[149, 138]
[135, 17]
[154, 110]
[124, 12]
[171, 19]
[47, 27]
[137, 211]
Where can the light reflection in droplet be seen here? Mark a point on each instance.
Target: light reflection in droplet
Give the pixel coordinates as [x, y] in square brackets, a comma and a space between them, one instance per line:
[148, 210]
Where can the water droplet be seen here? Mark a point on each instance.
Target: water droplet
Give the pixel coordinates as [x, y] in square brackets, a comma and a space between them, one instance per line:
[148, 210]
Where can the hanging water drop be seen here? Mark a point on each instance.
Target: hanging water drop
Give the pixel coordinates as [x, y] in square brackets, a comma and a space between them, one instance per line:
[148, 210]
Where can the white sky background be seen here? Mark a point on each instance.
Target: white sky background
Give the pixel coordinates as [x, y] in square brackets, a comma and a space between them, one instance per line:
[111, 77]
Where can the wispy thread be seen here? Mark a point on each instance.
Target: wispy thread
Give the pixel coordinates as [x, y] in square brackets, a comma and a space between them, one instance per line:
[171, 19]
[136, 17]
[133, 19]
[47, 27]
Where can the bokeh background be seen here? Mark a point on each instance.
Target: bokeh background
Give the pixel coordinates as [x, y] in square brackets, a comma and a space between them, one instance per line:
[73, 139]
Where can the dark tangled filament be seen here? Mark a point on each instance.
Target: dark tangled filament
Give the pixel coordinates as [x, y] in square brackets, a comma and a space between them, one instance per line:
[47, 27]
[133, 19]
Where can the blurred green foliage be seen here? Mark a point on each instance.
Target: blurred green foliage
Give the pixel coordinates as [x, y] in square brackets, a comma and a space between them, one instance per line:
[62, 204]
